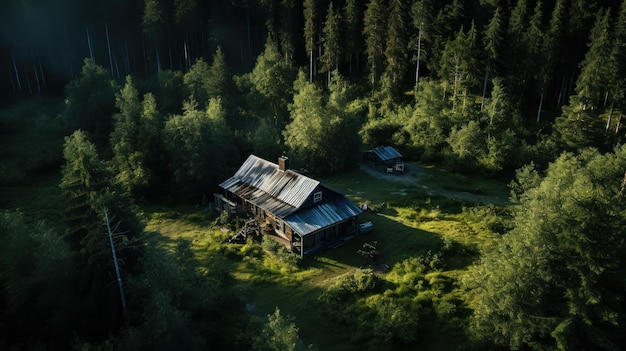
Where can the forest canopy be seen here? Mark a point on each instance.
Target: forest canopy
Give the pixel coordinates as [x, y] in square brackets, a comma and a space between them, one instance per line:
[161, 100]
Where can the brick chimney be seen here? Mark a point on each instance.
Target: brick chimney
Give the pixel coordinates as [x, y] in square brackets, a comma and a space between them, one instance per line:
[283, 163]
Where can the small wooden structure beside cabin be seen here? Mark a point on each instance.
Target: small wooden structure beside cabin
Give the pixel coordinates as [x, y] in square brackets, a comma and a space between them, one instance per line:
[387, 158]
[301, 212]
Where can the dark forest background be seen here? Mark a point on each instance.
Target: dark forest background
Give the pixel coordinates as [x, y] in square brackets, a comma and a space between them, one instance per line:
[158, 101]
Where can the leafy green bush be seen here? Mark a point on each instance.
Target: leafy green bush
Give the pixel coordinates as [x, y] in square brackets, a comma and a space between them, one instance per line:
[491, 217]
[348, 287]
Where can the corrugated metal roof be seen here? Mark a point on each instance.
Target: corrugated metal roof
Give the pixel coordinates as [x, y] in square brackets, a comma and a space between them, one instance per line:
[309, 220]
[262, 183]
[386, 153]
[283, 193]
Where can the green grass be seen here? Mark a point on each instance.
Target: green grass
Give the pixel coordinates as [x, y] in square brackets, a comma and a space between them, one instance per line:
[409, 224]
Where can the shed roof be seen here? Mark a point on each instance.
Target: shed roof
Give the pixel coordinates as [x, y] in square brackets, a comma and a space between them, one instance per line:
[385, 153]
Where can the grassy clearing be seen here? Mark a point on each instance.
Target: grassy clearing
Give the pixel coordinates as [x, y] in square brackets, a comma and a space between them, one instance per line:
[407, 221]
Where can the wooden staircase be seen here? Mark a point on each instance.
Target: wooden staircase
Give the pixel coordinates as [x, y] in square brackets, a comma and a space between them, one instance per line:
[251, 227]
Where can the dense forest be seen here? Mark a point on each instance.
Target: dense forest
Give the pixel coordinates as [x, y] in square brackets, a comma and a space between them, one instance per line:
[161, 100]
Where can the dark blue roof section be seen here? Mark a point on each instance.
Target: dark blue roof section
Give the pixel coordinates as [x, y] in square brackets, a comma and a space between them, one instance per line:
[386, 153]
[309, 220]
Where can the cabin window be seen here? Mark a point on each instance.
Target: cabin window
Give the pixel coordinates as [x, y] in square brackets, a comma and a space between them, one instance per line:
[279, 225]
[317, 197]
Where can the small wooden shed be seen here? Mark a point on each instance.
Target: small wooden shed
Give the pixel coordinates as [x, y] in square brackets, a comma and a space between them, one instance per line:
[385, 157]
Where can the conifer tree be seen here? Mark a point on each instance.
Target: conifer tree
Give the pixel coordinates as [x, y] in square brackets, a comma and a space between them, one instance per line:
[515, 48]
[126, 141]
[374, 30]
[396, 48]
[422, 22]
[458, 64]
[353, 23]
[492, 40]
[89, 193]
[553, 46]
[152, 25]
[534, 40]
[310, 33]
[331, 39]
[598, 69]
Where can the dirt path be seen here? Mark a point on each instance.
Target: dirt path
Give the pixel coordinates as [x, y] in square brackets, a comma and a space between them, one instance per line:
[414, 175]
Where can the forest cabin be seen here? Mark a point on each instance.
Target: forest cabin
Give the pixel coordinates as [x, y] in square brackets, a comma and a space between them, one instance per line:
[385, 157]
[300, 212]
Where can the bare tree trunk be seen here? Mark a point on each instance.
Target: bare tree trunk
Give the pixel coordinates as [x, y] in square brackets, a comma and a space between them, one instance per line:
[186, 55]
[561, 92]
[158, 60]
[106, 29]
[608, 121]
[454, 90]
[17, 74]
[36, 78]
[117, 68]
[43, 78]
[117, 268]
[311, 66]
[482, 101]
[91, 55]
[30, 89]
[539, 109]
[419, 52]
[619, 124]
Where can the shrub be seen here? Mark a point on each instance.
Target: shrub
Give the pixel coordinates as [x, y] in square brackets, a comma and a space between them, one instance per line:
[349, 286]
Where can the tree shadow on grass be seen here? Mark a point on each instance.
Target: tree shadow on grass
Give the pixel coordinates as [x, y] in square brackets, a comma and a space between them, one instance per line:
[394, 242]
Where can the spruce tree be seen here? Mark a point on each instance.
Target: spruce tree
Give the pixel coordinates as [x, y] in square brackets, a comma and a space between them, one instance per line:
[331, 39]
[374, 30]
[598, 69]
[352, 39]
[310, 33]
[126, 141]
[396, 48]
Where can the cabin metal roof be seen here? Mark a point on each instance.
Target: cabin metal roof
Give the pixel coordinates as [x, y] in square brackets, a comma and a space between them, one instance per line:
[284, 192]
[386, 153]
[312, 219]
[262, 183]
